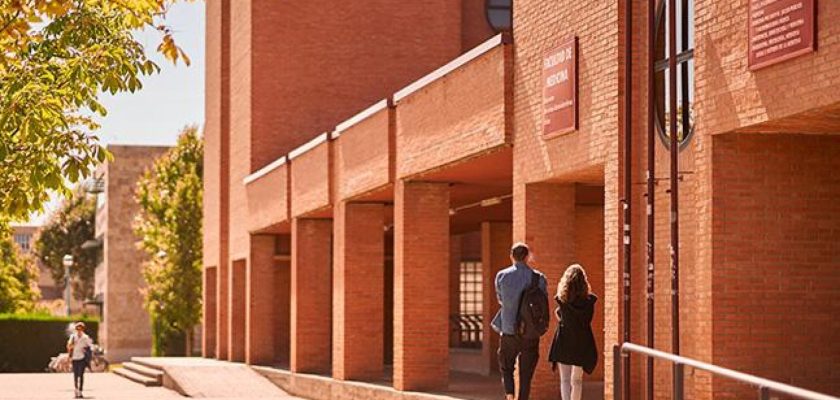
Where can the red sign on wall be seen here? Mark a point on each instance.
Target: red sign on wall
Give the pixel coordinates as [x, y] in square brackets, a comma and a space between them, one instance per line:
[560, 112]
[780, 30]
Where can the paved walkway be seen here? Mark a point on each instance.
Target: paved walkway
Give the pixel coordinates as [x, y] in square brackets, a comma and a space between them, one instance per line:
[208, 378]
[59, 386]
[228, 382]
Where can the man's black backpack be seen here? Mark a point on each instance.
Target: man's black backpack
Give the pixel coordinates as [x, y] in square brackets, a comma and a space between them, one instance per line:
[533, 310]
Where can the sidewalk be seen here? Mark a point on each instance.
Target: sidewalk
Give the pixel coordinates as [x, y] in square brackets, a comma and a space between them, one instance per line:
[109, 386]
[59, 386]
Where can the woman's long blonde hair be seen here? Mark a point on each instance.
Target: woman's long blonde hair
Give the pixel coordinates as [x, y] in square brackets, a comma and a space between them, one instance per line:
[573, 285]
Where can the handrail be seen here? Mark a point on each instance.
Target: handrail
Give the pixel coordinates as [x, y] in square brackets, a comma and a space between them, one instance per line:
[765, 386]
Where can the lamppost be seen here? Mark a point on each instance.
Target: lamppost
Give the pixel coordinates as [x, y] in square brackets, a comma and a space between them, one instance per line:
[67, 262]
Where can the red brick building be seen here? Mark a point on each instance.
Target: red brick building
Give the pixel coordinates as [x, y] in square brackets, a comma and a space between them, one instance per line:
[369, 164]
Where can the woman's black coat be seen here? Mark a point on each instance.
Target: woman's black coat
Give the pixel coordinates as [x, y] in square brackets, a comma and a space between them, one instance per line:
[574, 343]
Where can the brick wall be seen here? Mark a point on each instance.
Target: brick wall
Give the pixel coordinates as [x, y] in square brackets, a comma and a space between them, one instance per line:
[495, 255]
[589, 155]
[358, 286]
[363, 155]
[589, 252]
[208, 343]
[421, 286]
[212, 132]
[775, 260]
[538, 27]
[241, 120]
[237, 306]
[432, 133]
[268, 200]
[311, 296]
[126, 323]
[260, 301]
[729, 96]
[310, 180]
[282, 310]
[474, 26]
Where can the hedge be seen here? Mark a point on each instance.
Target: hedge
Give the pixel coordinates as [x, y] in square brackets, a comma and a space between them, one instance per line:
[28, 341]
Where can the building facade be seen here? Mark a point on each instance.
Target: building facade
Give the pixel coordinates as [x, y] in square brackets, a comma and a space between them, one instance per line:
[125, 330]
[24, 237]
[368, 166]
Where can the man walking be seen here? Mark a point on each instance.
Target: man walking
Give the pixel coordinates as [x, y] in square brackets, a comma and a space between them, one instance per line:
[77, 346]
[521, 320]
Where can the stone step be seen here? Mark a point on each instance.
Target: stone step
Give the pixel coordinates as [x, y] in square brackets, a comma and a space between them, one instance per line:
[146, 362]
[133, 376]
[144, 370]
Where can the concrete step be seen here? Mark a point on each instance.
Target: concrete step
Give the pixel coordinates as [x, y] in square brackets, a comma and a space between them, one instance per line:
[148, 362]
[133, 376]
[144, 370]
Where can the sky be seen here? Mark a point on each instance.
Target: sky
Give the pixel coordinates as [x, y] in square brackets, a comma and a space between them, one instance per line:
[170, 99]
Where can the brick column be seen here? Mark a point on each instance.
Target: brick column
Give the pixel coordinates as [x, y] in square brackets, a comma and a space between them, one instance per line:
[208, 334]
[259, 329]
[496, 238]
[550, 232]
[282, 300]
[311, 288]
[421, 286]
[454, 286]
[358, 281]
[236, 316]
[222, 311]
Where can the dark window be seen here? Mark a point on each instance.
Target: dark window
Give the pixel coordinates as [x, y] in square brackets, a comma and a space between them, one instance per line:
[469, 319]
[470, 288]
[685, 72]
[499, 14]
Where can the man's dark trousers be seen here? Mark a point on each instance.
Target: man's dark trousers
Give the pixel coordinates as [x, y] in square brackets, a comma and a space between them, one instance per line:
[79, 373]
[528, 351]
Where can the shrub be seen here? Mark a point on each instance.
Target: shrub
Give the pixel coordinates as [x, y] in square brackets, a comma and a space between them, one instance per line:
[28, 341]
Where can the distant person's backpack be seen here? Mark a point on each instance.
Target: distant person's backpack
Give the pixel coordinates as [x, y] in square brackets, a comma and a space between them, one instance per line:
[533, 311]
[88, 356]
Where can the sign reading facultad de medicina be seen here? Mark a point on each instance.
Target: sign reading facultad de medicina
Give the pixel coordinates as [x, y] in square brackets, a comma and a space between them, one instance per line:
[780, 30]
[560, 89]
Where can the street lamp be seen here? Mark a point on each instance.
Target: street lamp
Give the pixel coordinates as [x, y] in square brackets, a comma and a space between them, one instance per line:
[67, 262]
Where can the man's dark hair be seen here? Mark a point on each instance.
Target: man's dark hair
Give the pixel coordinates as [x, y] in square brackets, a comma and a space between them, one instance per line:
[519, 251]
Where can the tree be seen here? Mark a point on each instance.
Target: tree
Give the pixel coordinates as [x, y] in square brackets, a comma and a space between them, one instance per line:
[17, 277]
[70, 226]
[169, 225]
[56, 57]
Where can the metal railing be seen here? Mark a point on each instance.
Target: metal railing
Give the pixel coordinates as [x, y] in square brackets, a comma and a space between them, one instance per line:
[764, 386]
[468, 329]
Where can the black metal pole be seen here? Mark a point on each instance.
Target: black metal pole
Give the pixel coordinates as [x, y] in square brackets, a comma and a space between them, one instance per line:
[628, 182]
[684, 103]
[674, 178]
[617, 372]
[651, 176]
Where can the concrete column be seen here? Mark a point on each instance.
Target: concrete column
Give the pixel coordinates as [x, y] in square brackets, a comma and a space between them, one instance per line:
[358, 282]
[259, 328]
[222, 311]
[236, 316]
[311, 304]
[421, 286]
[208, 334]
[496, 238]
[550, 232]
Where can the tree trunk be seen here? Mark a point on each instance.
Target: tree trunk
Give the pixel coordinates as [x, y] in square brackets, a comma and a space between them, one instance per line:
[188, 337]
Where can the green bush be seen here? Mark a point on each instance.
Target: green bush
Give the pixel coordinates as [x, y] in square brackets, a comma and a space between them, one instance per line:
[28, 341]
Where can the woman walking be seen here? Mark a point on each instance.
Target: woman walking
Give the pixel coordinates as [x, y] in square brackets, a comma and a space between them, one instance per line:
[79, 347]
[573, 346]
